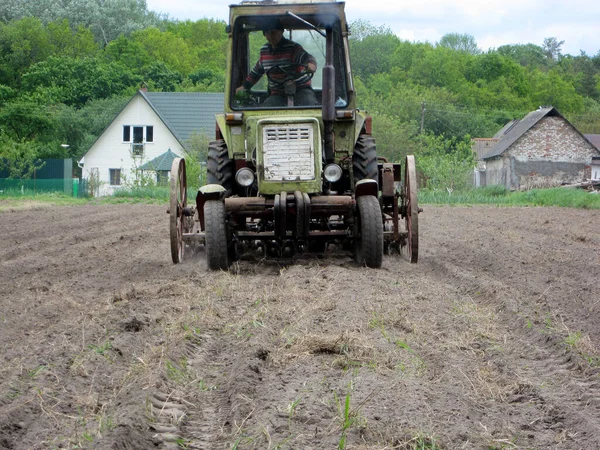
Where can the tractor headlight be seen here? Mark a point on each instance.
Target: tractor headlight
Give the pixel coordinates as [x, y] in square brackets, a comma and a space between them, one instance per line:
[244, 177]
[332, 173]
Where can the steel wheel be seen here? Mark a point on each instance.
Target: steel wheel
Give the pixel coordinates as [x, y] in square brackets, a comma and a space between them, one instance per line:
[215, 230]
[176, 208]
[411, 208]
[369, 239]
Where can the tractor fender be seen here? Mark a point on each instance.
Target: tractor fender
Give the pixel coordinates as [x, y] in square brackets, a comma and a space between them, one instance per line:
[222, 128]
[212, 192]
[208, 192]
[365, 187]
[362, 125]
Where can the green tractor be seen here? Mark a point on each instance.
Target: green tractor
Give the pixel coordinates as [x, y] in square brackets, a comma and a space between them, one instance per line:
[291, 176]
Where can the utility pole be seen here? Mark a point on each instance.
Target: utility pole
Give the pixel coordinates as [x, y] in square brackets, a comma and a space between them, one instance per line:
[422, 115]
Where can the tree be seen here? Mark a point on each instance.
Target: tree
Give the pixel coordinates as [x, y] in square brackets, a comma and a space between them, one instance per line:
[18, 157]
[372, 48]
[107, 19]
[22, 43]
[25, 121]
[551, 89]
[446, 164]
[460, 42]
[552, 47]
[161, 78]
[75, 81]
[528, 55]
[167, 47]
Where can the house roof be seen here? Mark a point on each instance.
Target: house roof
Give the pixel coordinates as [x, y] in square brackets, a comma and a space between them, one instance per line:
[594, 139]
[161, 162]
[513, 130]
[186, 112]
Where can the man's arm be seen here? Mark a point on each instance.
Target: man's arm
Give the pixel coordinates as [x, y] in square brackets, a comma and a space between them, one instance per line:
[304, 58]
[254, 76]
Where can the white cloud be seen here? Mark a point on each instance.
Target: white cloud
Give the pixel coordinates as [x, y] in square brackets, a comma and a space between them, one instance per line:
[492, 23]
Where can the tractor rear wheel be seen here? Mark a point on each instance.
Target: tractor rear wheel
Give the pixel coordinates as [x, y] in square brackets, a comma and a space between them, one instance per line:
[364, 159]
[220, 167]
[369, 236]
[215, 230]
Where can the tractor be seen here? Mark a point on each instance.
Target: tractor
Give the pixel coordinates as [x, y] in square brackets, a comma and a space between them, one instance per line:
[293, 178]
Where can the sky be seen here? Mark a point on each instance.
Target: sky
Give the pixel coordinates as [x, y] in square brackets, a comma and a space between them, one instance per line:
[491, 22]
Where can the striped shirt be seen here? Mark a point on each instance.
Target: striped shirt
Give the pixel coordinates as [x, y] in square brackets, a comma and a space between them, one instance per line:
[283, 56]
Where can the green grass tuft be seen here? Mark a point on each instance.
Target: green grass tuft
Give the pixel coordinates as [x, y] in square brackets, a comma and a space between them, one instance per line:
[500, 196]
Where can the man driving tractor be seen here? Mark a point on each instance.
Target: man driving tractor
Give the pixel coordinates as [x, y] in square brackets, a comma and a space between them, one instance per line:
[282, 59]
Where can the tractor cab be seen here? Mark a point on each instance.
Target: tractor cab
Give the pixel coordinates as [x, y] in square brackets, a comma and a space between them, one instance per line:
[303, 24]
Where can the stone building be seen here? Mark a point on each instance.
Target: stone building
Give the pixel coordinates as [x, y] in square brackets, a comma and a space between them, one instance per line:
[541, 150]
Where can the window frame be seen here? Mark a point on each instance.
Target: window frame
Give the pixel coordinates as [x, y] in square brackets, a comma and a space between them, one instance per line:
[114, 175]
[128, 134]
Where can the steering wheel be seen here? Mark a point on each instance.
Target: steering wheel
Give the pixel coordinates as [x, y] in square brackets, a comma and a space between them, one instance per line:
[278, 76]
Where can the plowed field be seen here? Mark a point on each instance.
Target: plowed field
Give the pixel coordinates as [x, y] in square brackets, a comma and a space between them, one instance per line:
[491, 341]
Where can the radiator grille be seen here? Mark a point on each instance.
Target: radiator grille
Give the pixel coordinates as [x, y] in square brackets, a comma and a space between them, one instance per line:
[288, 152]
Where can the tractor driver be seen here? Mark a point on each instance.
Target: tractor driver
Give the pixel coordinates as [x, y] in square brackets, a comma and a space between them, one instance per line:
[281, 58]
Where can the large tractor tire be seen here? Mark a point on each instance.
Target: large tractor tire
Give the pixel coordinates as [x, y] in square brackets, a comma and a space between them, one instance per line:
[369, 237]
[364, 159]
[217, 256]
[220, 168]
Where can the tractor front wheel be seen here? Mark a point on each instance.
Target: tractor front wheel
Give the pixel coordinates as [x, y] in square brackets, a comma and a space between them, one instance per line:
[369, 237]
[216, 235]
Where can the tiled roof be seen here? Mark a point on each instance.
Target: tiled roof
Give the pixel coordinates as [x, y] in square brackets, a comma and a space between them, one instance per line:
[594, 139]
[161, 162]
[187, 112]
[513, 130]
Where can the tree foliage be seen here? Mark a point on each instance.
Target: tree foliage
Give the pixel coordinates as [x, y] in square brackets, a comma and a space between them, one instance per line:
[67, 67]
[460, 42]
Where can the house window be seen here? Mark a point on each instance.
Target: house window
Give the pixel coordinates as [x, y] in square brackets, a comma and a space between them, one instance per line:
[162, 177]
[115, 177]
[139, 133]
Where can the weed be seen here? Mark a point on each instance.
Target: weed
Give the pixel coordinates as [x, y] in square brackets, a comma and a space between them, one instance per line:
[101, 349]
[377, 323]
[572, 339]
[291, 407]
[346, 420]
[423, 443]
[348, 416]
[205, 387]
[38, 370]
[182, 443]
[178, 373]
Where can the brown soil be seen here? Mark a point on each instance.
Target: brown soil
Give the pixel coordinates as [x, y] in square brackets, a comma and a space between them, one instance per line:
[491, 341]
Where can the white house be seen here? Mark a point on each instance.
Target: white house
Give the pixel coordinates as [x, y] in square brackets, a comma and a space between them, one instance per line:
[151, 125]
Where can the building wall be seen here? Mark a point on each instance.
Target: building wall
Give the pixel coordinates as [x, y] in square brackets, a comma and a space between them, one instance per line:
[110, 152]
[497, 171]
[550, 153]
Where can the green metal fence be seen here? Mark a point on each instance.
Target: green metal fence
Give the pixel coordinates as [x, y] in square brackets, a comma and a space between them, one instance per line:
[54, 175]
[67, 186]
